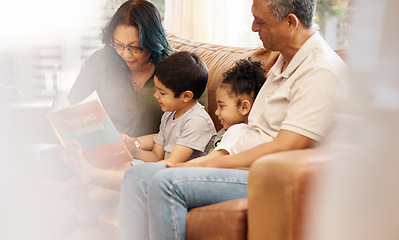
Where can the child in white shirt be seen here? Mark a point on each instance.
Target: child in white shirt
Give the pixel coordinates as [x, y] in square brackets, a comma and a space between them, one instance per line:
[235, 96]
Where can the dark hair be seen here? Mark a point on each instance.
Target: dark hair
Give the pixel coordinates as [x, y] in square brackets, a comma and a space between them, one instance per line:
[143, 15]
[246, 77]
[303, 9]
[183, 71]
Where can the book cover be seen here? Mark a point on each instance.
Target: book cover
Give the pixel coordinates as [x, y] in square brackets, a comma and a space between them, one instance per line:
[88, 123]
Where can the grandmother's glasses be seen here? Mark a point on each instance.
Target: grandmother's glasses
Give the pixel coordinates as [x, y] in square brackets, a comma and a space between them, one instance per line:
[132, 49]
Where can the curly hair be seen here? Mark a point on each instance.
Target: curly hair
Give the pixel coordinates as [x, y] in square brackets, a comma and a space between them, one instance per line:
[245, 78]
[144, 16]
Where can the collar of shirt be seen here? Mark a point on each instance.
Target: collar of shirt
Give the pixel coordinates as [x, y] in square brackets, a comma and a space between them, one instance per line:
[298, 58]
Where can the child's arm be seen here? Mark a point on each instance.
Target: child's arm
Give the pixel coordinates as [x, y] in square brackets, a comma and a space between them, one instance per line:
[213, 154]
[147, 141]
[179, 154]
[153, 155]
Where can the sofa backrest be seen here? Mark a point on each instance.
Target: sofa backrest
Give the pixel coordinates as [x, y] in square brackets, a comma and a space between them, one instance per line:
[219, 58]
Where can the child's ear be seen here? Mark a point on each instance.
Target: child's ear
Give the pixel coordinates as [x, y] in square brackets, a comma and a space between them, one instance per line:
[187, 95]
[245, 107]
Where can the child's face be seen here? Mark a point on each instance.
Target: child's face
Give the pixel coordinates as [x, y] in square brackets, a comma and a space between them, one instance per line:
[166, 97]
[228, 112]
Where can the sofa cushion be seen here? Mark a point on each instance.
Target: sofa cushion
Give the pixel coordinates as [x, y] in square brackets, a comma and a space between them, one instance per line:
[218, 59]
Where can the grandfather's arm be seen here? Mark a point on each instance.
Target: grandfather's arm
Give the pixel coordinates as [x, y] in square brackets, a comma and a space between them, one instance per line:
[285, 140]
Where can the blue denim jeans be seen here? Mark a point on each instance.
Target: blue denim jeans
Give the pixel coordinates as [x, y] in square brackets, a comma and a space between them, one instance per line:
[155, 199]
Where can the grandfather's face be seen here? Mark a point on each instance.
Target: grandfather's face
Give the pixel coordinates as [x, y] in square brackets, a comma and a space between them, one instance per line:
[270, 31]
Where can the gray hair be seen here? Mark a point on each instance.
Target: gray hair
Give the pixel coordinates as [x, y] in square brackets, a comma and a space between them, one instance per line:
[303, 9]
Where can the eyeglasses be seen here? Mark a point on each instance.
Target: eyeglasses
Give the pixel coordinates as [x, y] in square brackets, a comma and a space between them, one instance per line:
[132, 49]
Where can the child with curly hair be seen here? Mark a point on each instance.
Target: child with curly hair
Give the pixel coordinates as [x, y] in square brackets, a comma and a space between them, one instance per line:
[235, 96]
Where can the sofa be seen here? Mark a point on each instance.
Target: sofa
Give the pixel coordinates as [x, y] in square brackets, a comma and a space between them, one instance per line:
[279, 185]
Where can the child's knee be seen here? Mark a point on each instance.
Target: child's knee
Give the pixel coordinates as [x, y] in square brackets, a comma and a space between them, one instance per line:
[130, 173]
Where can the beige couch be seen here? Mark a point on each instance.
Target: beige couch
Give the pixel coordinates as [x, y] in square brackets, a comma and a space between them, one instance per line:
[279, 184]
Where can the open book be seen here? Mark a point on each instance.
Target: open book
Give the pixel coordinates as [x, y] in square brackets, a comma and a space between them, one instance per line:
[88, 123]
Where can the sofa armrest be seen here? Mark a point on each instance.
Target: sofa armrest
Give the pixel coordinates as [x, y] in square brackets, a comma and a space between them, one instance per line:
[224, 220]
[278, 191]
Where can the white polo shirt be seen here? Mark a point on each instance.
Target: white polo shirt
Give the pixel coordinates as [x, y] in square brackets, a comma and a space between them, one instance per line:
[302, 99]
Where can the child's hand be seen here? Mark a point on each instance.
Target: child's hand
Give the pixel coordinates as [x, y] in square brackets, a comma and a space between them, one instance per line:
[129, 143]
[186, 164]
[172, 165]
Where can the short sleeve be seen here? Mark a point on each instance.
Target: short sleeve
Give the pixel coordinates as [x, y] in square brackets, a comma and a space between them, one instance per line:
[313, 99]
[231, 136]
[196, 133]
[160, 138]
